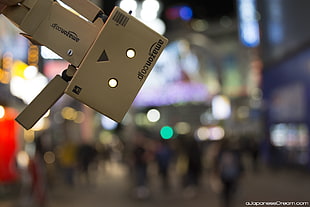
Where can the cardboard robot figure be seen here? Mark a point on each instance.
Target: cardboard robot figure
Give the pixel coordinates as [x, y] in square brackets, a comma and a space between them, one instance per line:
[110, 56]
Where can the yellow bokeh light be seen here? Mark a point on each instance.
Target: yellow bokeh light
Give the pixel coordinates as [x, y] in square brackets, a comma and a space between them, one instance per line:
[80, 117]
[29, 136]
[22, 159]
[69, 113]
[49, 157]
[18, 69]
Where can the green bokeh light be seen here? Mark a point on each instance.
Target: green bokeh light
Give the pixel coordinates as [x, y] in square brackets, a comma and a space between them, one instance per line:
[166, 132]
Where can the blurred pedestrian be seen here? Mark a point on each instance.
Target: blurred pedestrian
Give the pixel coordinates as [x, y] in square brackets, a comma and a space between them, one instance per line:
[194, 163]
[229, 169]
[250, 146]
[141, 158]
[67, 153]
[86, 155]
[163, 157]
[193, 153]
[37, 173]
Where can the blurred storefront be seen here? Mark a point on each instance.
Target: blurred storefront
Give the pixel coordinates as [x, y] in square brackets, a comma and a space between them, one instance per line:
[285, 53]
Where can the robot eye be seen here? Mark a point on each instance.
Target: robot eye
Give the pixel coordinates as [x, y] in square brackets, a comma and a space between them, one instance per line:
[130, 53]
[113, 83]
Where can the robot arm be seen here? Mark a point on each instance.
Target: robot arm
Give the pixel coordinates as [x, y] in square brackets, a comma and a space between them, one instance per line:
[48, 23]
[85, 8]
[118, 49]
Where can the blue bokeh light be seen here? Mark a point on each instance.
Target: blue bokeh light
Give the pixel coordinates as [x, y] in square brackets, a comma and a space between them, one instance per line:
[186, 13]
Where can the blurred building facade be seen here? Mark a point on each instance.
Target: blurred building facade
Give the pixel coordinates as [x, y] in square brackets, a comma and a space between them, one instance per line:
[285, 53]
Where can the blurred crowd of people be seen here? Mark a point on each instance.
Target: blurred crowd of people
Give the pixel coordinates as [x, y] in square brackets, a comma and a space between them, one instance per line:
[181, 162]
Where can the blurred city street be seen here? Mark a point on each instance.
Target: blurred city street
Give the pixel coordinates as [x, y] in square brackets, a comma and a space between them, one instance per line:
[114, 191]
[113, 188]
[222, 118]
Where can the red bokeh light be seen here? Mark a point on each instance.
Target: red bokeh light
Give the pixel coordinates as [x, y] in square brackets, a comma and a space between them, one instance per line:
[8, 146]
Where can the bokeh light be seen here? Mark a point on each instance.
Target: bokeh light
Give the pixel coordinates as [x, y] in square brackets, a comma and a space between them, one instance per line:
[129, 5]
[153, 115]
[221, 108]
[186, 13]
[68, 113]
[2, 112]
[179, 12]
[182, 128]
[49, 157]
[29, 136]
[106, 137]
[22, 159]
[30, 72]
[199, 25]
[150, 9]
[166, 132]
[202, 133]
[216, 133]
[108, 123]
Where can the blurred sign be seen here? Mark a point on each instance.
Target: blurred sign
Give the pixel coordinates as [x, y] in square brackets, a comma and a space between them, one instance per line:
[248, 24]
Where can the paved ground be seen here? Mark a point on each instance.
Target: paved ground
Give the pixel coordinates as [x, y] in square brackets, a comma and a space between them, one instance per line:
[111, 187]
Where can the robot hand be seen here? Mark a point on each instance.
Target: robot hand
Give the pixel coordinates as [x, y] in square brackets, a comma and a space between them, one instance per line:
[110, 56]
